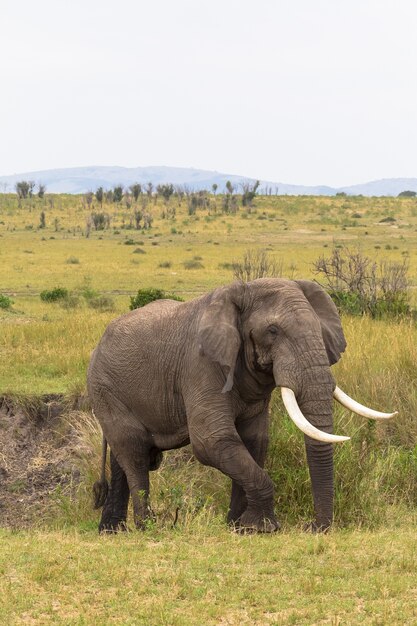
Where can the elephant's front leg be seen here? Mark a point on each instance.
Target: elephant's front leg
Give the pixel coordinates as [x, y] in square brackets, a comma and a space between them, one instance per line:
[254, 434]
[216, 442]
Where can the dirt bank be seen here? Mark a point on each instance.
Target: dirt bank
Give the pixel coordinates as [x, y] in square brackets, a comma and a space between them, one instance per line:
[39, 454]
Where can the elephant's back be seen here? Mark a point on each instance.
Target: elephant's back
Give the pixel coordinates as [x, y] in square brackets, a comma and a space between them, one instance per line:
[143, 339]
[140, 320]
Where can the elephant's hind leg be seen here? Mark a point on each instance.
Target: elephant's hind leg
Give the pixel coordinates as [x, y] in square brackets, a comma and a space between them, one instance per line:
[131, 446]
[114, 513]
[134, 457]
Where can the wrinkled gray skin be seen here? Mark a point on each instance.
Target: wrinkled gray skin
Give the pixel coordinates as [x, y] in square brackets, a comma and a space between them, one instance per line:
[202, 372]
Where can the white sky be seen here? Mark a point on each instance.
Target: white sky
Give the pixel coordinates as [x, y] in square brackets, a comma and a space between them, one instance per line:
[294, 91]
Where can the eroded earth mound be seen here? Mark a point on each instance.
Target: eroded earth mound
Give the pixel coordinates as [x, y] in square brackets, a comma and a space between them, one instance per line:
[39, 454]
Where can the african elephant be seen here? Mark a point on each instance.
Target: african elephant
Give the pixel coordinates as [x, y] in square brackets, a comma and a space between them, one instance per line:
[203, 372]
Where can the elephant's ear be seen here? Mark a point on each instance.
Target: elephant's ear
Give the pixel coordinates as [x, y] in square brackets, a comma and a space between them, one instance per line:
[218, 333]
[326, 310]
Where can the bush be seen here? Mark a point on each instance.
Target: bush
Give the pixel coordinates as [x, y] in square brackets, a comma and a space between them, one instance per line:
[166, 264]
[193, 264]
[100, 220]
[407, 194]
[149, 294]
[53, 295]
[256, 264]
[72, 301]
[5, 302]
[72, 260]
[358, 285]
[102, 303]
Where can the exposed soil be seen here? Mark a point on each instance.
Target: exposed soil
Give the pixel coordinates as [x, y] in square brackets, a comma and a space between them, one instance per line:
[39, 451]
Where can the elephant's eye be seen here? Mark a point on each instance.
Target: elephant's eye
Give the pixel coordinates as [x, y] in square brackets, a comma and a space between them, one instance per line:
[273, 330]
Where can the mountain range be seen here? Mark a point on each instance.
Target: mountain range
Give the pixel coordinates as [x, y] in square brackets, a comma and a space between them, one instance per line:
[82, 179]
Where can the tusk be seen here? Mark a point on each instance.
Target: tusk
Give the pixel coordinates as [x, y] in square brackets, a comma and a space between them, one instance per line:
[303, 424]
[360, 409]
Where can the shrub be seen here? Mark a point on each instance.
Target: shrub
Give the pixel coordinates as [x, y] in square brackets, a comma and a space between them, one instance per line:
[72, 260]
[166, 264]
[102, 303]
[359, 285]
[407, 194]
[5, 302]
[72, 301]
[139, 251]
[256, 264]
[53, 295]
[100, 220]
[87, 291]
[192, 264]
[149, 294]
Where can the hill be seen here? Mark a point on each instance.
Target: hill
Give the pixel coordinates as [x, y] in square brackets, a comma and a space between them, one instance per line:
[82, 179]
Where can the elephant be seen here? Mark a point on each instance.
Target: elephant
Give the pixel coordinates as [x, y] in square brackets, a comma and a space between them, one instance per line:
[202, 372]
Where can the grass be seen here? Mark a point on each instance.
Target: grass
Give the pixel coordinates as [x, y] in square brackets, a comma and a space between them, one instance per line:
[60, 572]
[208, 576]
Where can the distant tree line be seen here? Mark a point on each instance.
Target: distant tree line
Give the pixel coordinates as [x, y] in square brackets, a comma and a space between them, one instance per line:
[26, 189]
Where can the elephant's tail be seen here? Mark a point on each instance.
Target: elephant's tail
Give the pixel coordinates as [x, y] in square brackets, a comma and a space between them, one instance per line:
[101, 487]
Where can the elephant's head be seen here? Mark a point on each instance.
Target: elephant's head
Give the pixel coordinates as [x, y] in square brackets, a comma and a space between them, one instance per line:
[285, 333]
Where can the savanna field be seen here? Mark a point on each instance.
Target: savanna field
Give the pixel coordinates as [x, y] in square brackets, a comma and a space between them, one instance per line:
[187, 568]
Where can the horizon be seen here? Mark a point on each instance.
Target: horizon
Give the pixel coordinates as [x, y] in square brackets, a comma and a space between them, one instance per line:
[213, 171]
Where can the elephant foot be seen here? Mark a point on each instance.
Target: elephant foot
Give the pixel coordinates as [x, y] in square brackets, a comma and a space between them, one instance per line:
[233, 517]
[146, 519]
[112, 527]
[315, 528]
[255, 522]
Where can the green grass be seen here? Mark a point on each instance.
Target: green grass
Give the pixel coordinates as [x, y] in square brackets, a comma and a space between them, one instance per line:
[208, 576]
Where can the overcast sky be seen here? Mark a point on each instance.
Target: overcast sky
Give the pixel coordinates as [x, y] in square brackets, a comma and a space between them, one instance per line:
[294, 91]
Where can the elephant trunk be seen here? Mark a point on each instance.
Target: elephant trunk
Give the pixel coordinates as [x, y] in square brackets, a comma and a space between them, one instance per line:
[320, 464]
[313, 391]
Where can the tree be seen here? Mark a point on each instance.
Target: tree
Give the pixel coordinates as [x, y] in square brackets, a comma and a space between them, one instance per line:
[42, 220]
[138, 215]
[214, 188]
[89, 198]
[407, 194]
[136, 190]
[100, 195]
[22, 189]
[229, 187]
[118, 193]
[165, 191]
[41, 190]
[249, 192]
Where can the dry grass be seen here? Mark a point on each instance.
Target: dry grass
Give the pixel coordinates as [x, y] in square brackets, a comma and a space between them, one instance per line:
[209, 576]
